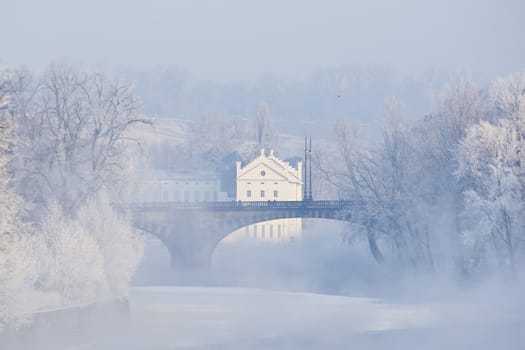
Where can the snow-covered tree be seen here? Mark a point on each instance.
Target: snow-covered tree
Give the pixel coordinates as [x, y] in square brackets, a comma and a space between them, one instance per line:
[71, 140]
[213, 137]
[120, 246]
[508, 101]
[384, 179]
[18, 272]
[17, 269]
[406, 181]
[72, 263]
[507, 96]
[74, 126]
[436, 139]
[346, 170]
[264, 132]
[489, 166]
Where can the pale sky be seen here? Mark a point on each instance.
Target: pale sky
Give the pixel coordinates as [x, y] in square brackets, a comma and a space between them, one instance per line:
[241, 39]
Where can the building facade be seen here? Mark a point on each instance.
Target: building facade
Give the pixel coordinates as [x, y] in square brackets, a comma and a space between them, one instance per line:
[194, 187]
[268, 178]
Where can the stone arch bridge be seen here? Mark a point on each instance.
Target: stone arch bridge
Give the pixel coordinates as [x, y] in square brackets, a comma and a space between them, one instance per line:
[191, 231]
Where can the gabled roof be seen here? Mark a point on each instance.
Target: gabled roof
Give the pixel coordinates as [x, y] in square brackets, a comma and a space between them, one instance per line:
[278, 166]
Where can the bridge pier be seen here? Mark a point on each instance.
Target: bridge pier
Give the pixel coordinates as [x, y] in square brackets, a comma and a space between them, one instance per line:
[190, 255]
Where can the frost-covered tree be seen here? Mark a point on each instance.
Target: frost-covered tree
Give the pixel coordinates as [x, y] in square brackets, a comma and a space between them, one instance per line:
[264, 132]
[120, 247]
[507, 96]
[439, 133]
[436, 139]
[345, 169]
[213, 137]
[72, 263]
[508, 101]
[71, 145]
[384, 180]
[406, 180]
[17, 270]
[490, 166]
[74, 130]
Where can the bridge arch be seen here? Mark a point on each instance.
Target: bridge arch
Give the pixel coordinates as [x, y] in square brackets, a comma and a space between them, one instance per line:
[192, 231]
[318, 259]
[275, 230]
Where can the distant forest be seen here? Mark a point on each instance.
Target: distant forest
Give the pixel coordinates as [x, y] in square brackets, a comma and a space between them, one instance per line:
[356, 92]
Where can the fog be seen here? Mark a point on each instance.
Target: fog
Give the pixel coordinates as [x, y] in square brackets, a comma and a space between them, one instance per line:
[311, 63]
[315, 294]
[234, 40]
[155, 192]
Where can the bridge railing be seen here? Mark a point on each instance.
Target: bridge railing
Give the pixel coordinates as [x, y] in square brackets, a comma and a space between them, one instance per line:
[245, 204]
[278, 204]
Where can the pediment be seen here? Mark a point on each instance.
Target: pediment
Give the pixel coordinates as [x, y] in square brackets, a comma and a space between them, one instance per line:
[271, 170]
[262, 172]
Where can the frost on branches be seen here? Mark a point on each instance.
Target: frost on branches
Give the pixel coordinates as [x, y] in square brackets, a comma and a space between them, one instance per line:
[448, 191]
[73, 266]
[88, 258]
[120, 247]
[61, 243]
[17, 270]
[74, 131]
[491, 168]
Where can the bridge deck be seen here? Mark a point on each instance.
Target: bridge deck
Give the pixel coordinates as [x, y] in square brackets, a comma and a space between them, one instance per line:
[238, 205]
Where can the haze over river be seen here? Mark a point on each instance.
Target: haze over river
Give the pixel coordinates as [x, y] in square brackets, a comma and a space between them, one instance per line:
[239, 318]
[222, 314]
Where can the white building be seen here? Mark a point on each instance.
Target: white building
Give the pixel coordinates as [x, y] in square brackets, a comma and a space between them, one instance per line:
[268, 178]
[187, 187]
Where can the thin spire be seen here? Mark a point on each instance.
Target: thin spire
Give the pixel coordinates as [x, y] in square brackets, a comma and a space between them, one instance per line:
[310, 179]
[305, 195]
